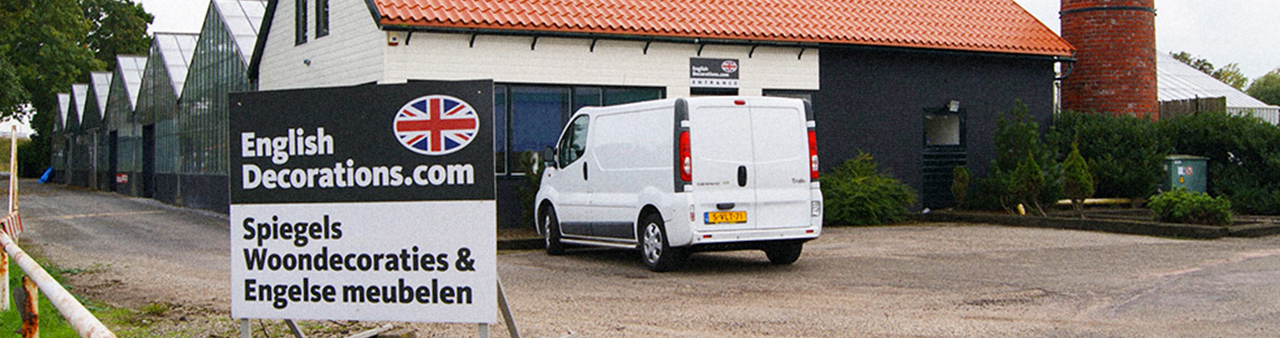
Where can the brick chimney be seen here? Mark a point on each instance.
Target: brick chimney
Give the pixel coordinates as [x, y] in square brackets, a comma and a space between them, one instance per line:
[1115, 71]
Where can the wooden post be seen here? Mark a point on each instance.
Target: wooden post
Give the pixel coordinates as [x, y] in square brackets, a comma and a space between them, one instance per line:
[13, 171]
[13, 205]
[29, 308]
[4, 276]
[77, 316]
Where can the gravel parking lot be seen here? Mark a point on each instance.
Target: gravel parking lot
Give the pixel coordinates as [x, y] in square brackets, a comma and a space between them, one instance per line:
[925, 280]
[919, 280]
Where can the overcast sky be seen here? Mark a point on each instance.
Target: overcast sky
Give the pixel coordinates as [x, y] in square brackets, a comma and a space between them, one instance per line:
[1223, 31]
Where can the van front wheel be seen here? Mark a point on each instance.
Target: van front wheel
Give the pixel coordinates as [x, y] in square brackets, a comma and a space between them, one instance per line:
[551, 231]
[784, 253]
[657, 252]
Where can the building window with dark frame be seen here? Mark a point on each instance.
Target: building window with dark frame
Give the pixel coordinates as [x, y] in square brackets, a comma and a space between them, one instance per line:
[943, 128]
[529, 118]
[300, 22]
[806, 95]
[322, 18]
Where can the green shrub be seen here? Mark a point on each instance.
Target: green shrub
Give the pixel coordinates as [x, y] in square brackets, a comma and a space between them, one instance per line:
[1028, 180]
[1078, 183]
[1123, 153]
[959, 185]
[1243, 152]
[858, 194]
[1182, 206]
[1017, 138]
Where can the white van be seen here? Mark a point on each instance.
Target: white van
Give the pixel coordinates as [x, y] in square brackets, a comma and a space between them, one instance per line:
[673, 176]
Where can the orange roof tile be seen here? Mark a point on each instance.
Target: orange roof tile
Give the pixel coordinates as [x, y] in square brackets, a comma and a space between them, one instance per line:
[973, 25]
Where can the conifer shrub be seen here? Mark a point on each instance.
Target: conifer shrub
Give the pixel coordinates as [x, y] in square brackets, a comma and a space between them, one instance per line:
[857, 193]
[1078, 183]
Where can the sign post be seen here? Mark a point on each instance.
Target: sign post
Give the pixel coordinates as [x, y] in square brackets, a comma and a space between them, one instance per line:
[372, 202]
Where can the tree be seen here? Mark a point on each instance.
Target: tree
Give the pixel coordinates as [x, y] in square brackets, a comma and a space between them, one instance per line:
[1197, 63]
[12, 95]
[1231, 75]
[116, 27]
[1267, 88]
[43, 41]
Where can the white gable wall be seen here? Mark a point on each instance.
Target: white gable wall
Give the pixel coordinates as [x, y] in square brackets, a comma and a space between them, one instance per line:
[440, 56]
[351, 54]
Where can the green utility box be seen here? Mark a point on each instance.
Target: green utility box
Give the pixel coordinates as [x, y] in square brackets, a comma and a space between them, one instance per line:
[1185, 171]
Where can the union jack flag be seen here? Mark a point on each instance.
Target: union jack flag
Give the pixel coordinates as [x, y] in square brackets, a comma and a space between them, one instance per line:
[436, 125]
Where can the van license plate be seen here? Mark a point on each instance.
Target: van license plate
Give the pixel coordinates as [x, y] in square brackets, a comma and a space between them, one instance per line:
[726, 217]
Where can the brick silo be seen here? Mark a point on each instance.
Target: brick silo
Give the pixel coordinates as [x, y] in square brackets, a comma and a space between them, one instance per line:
[1115, 71]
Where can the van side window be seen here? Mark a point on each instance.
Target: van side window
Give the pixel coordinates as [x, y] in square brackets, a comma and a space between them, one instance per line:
[574, 142]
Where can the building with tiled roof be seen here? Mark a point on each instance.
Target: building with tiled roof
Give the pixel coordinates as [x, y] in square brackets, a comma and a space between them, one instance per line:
[919, 84]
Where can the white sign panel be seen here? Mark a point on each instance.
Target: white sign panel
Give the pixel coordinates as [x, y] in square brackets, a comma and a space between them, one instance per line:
[399, 261]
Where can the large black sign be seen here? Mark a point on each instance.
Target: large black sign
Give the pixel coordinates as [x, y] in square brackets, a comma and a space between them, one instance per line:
[405, 142]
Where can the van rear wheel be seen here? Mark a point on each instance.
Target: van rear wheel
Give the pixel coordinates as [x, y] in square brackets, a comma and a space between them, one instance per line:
[551, 232]
[656, 251]
[784, 253]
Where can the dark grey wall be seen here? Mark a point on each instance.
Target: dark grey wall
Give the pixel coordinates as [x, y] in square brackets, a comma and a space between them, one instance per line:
[874, 100]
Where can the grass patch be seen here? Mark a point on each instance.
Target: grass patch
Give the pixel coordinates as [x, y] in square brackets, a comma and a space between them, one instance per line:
[124, 322]
[52, 325]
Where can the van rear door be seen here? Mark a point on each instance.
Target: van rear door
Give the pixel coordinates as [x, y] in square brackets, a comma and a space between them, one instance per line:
[721, 146]
[781, 175]
[750, 160]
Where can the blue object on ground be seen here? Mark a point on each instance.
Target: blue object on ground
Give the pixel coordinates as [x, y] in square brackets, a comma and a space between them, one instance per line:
[47, 173]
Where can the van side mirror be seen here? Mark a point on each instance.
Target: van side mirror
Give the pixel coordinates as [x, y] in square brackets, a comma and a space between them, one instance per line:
[549, 157]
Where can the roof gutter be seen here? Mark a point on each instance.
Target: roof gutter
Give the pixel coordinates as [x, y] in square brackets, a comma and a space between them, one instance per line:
[1069, 60]
[582, 35]
[949, 52]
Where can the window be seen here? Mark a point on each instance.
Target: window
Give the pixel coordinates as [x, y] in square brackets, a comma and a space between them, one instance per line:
[529, 118]
[586, 97]
[944, 129]
[300, 22]
[537, 115]
[574, 142]
[806, 95]
[614, 96]
[701, 91]
[322, 18]
[500, 129]
[796, 94]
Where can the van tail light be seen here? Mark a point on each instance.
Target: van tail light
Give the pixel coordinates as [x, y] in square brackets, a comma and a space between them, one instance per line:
[813, 155]
[686, 158]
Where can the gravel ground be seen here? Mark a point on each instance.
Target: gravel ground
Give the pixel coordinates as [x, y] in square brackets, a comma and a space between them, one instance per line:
[920, 280]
